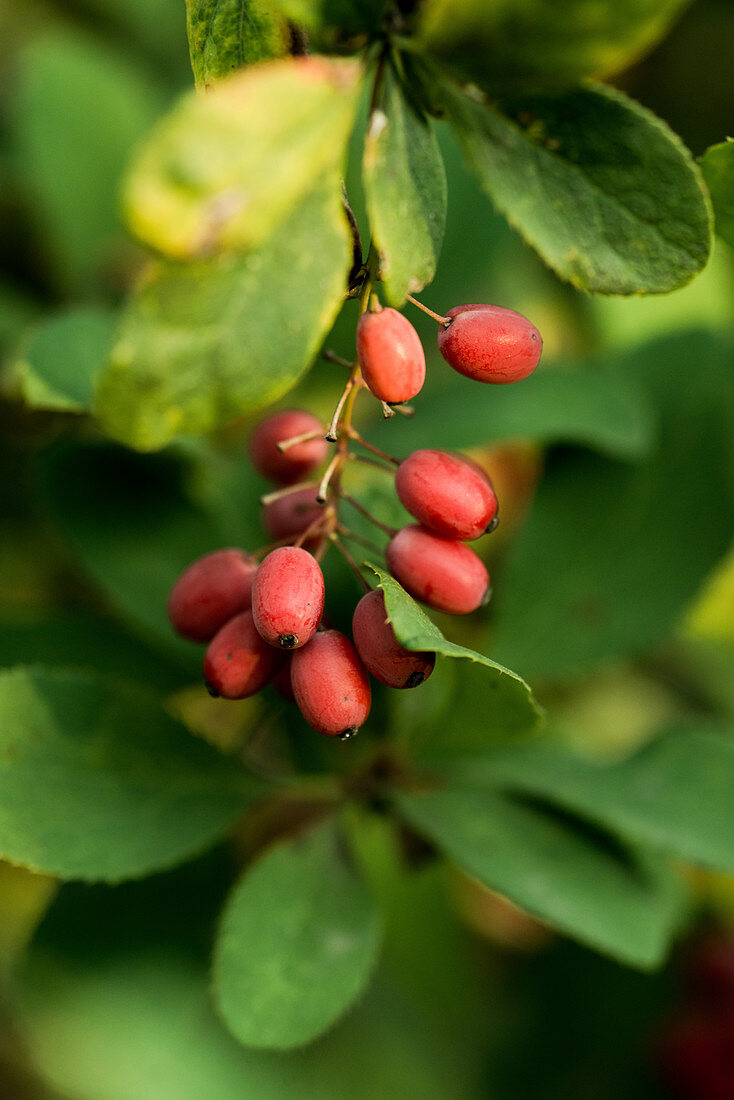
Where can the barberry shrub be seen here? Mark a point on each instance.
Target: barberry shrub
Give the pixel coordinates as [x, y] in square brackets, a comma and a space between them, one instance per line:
[315, 567]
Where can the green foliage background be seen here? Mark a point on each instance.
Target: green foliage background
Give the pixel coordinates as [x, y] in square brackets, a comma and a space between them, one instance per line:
[140, 832]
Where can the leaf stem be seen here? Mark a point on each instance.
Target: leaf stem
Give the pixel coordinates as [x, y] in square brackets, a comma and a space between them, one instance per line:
[445, 321]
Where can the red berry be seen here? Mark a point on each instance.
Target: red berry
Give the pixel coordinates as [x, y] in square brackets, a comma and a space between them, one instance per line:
[209, 592]
[282, 682]
[379, 649]
[238, 662]
[331, 685]
[443, 573]
[288, 597]
[451, 495]
[289, 516]
[300, 459]
[391, 356]
[490, 343]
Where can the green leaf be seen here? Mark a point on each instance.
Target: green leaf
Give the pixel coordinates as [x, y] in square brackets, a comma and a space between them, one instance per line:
[99, 783]
[58, 365]
[597, 407]
[600, 187]
[611, 554]
[225, 35]
[489, 701]
[204, 343]
[717, 165]
[530, 43]
[79, 108]
[298, 943]
[225, 169]
[336, 24]
[405, 188]
[620, 901]
[674, 795]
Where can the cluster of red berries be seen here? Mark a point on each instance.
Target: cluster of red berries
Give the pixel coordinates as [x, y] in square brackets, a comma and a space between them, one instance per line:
[263, 622]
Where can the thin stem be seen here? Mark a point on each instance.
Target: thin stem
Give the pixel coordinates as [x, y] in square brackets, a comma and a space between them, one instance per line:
[365, 460]
[445, 321]
[323, 490]
[368, 515]
[404, 410]
[304, 437]
[333, 431]
[354, 537]
[354, 434]
[276, 494]
[349, 560]
[331, 357]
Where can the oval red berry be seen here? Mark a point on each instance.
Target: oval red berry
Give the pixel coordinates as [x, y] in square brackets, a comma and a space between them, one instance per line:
[209, 592]
[443, 573]
[238, 663]
[297, 461]
[490, 343]
[288, 597]
[379, 649]
[288, 516]
[450, 495]
[330, 685]
[391, 356]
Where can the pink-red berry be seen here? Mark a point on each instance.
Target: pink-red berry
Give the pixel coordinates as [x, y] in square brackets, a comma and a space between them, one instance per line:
[330, 685]
[391, 356]
[490, 343]
[297, 461]
[209, 592]
[379, 649]
[289, 516]
[238, 663]
[288, 597]
[443, 573]
[450, 495]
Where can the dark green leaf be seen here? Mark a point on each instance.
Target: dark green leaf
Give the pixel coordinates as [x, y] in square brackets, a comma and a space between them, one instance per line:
[405, 187]
[224, 170]
[717, 165]
[600, 187]
[674, 795]
[206, 342]
[336, 24]
[599, 408]
[79, 109]
[529, 43]
[298, 942]
[225, 35]
[611, 554]
[99, 783]
[620, 901]
[58, 365]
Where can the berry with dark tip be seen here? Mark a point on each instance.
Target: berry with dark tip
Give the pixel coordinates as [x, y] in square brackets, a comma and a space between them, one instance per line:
[379, 649]
[391, 356]
[288, 597]
[330, 685]
[490, 343]
[209, 592]
[449, 494]
[295, 463]
[238, 663]
[443, 573]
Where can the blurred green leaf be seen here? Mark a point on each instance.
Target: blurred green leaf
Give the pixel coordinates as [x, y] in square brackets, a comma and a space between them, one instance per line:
[224, 170]
[78, 107]
[542, 42]
[154, 25]
[405, 186]
[206, 342]
[674, 795]
[99, 783]
[600, 408]
[717, 165]
[600, 187]
[281, 982]
[333, 24]
[58, 364]
[620, 901]
[16, 311]
[225, 35]
[611, 553]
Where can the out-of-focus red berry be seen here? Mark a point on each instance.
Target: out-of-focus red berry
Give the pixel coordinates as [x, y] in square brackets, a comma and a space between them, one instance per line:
[238, 663]
[379, 649]
[297, 461]
[209, 592]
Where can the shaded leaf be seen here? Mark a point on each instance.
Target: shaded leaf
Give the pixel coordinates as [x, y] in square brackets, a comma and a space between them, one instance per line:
[405, 187]
[58, 365]
[298, 942]
[225, 169]
[600, 187]
[225, 35]
[204, 343]
[144, 793]
[717, 165]
[620, 901]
